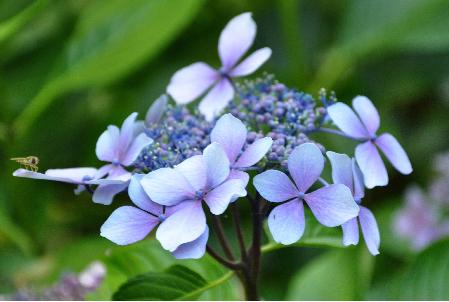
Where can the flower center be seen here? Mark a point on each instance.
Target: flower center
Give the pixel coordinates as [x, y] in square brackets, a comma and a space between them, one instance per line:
[301, 195]
[162, 217]
[199, 194]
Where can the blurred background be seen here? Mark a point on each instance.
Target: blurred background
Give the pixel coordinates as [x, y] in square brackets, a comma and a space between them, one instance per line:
[70, 68]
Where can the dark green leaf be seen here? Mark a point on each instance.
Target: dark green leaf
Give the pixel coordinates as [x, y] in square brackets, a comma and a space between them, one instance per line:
[174, 283]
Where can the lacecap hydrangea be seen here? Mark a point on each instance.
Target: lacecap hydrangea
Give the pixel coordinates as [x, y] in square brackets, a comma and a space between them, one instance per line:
[184, 166]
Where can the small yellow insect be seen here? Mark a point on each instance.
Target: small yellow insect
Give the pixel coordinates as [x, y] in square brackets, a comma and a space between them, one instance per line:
[29, 162]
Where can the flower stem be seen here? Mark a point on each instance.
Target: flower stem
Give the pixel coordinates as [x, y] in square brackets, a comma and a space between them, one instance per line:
[238, 231]
[218, 227]
[229, 264]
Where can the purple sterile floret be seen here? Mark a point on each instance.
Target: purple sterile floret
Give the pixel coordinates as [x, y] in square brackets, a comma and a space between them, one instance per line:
[119, 147]
[129, 224]
[332, 205]
[363, 126]
[345, 171]
[200, 178]
[194, 80]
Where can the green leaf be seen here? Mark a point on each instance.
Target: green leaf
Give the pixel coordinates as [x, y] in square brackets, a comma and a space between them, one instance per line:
[428, 277]
[112, 39]
[124, 263]
[175, 283]
[336, 275]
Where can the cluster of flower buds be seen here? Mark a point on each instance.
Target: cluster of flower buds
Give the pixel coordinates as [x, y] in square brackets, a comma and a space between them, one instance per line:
[177, 163]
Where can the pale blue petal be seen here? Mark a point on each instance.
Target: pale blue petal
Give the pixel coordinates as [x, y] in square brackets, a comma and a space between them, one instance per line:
[367, 112]
[286, 222]
[127, 225]
[219, 198]
[350, 232]
[341, 169]
[216, 99]
[332, 205]
[140, 198]
[251, 63]
[394, 152]
[156, 111]
[348, 122]
[107, 145]
[305, 164]
[194, 249]
[194, 170]
[105, 193]
[230, 133]
[370, 230]
[371, 165]
[185, 225]
[275, 186]
[235, 39]
[217, 165]
[127, 134]
[134, 150]
[167, 187]
[254, 153]
[191, 81]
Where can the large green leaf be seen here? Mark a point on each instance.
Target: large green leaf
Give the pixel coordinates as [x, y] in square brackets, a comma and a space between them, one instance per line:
[428, 276]
[123, 263]
[336, 275]
[112, 39]
[175, 283]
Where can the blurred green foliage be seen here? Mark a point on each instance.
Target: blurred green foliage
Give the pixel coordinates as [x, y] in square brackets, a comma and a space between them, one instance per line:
[70, 68]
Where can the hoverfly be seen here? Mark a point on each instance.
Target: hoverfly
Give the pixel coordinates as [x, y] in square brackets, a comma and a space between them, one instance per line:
[29, 162]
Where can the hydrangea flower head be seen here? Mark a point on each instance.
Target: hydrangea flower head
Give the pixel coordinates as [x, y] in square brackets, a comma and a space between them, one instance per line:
[364, 126]
[345, 171]
[332, 205]
[129, 224]
[192, 81]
